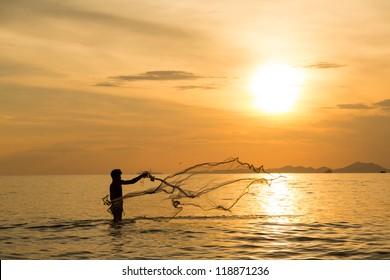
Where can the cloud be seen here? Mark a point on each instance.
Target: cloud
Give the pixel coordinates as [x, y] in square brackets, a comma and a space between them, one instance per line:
[323, 65]
[163, 75]
[354, 106]
[384, 104]
[11, 67]
[196, 87]
[6, 117]
[106, 84]
[159, 76]
[19, 14]
[381, 105]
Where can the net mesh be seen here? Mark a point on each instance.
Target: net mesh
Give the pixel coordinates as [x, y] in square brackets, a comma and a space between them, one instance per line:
[206, 186]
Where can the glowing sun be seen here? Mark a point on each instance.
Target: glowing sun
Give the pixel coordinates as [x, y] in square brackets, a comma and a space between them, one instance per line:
[276, 88]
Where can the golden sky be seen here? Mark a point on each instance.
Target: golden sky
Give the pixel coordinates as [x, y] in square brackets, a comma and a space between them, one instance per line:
[89, 86]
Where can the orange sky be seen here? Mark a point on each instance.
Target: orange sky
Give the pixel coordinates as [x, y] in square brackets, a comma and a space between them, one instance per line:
[88, 86]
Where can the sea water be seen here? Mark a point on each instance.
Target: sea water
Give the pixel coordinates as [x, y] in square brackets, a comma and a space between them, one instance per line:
[300, 216]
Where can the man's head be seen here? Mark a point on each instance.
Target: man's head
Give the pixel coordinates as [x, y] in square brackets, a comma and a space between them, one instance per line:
[116, 174]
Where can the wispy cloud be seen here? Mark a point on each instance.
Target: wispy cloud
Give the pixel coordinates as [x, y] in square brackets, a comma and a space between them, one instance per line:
[355, 106]
[163, 75]
[381, 105]
[158, 76]
[384, 104]
[41, 10]
[191, 87]
[106, 84]
[323, 65]
[11, 67]
[6, 117]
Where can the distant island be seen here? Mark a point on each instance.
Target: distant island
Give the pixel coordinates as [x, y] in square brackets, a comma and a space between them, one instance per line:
[357, 167]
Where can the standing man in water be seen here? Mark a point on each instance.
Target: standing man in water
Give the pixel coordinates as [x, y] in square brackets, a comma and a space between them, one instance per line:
[116, 191]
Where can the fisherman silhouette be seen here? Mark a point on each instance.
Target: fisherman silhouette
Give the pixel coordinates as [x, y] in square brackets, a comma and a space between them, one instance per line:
[116, 191]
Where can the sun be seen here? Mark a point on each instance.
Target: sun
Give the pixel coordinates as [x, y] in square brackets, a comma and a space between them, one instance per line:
[276, 88]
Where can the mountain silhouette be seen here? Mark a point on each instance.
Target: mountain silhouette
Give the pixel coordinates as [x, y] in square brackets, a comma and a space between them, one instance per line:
[361, 167]
[357, 167]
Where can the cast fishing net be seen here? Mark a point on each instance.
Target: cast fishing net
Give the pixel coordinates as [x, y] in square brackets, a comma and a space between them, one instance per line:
[205, 187]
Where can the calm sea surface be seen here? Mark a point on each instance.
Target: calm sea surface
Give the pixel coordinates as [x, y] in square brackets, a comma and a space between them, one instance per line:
[300, 216]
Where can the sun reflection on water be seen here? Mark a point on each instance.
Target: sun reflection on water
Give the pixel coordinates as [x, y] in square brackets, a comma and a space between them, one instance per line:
[279, 199]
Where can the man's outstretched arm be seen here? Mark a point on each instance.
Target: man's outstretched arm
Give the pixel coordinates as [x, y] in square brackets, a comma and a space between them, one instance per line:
[136, 179]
